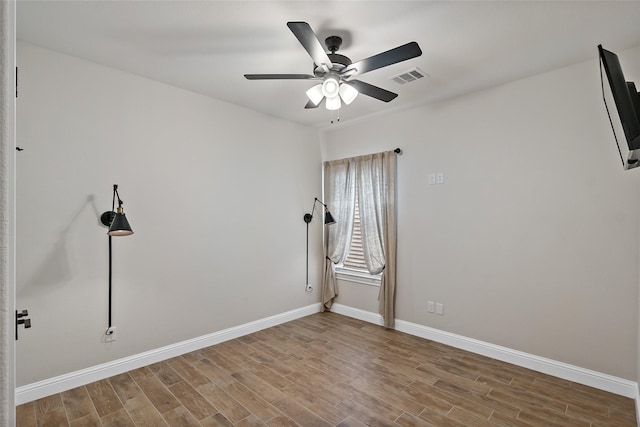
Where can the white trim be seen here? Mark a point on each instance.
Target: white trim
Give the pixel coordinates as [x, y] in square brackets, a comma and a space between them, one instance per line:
[350, 275]
[71, 380]
[558, 369]
[356, 313]
[637, 404]
[7, 211]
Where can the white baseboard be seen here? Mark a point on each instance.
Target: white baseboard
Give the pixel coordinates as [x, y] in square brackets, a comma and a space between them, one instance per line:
[638, 405]
[71, 380]
[562, 370]
[356, 313]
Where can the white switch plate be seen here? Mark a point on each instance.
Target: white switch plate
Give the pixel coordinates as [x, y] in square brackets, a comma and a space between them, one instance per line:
[432, 178]
[440, 309]
[440, 178]
[430, 307]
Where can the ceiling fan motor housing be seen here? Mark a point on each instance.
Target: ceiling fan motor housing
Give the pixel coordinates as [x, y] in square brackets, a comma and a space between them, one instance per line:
[339, 62]
[333, 43]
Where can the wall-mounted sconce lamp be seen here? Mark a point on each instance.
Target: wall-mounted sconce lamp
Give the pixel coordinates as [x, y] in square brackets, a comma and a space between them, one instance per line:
[116, 221]
[118, 226]
[328, 220]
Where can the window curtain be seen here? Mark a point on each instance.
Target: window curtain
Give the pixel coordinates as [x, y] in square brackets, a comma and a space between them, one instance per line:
[375, 176]
[339, 196]
[376, 180]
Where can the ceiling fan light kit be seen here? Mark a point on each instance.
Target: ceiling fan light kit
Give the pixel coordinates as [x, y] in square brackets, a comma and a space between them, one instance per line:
[348, 93]
[333, 103]
[336, 70]
[330, 86]
[315, 94]
[333, 91]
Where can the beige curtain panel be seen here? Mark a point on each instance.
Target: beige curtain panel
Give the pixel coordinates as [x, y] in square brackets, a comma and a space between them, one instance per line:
[339, 187]
[376, 178]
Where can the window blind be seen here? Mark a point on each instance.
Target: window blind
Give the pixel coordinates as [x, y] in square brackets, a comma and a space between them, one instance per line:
[355, 257]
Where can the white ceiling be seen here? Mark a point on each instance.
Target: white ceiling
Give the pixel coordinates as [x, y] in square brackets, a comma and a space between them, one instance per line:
[207, 46]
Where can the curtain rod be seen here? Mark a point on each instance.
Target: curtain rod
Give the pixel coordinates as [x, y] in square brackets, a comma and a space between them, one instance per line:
[397, 151]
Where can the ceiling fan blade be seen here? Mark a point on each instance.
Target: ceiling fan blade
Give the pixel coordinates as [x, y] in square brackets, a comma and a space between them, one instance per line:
[310, 42]
[393, 56]
[312, 105]
[373, 91]
[280, 77]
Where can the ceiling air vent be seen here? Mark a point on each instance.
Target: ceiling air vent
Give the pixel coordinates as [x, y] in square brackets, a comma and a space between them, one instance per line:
[409, 76]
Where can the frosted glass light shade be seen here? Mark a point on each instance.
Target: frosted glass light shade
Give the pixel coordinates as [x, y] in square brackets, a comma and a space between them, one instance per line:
[315, 94]
[330, 87]
[333, 103]
[348, 93]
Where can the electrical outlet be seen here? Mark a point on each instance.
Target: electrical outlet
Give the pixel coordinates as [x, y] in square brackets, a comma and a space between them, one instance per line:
[440, 309]
[440, 178]
[110, 334]
[430, 307]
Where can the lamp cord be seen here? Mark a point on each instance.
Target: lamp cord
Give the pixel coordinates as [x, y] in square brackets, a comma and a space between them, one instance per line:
[109, 281]
[307, 282]
[113, 205]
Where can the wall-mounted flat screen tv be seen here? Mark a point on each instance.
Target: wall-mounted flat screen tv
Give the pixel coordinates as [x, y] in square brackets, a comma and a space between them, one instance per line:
[622, 102]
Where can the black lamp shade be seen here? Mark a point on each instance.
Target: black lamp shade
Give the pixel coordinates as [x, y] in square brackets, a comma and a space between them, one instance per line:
[120, 226]
[328, 218]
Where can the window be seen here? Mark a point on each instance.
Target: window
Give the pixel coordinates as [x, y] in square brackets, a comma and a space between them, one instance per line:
[354, 268]
[355, 257]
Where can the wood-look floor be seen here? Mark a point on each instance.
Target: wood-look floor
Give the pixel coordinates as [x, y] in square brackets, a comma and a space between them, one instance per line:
[330, 370]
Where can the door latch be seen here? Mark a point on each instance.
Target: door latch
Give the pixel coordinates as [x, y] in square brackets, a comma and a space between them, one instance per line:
[21, 319]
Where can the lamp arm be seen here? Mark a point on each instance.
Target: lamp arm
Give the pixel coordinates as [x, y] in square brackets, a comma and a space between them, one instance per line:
[113, 199]
[309, 217]
[313, 209]
[116, 194]
[317, 200]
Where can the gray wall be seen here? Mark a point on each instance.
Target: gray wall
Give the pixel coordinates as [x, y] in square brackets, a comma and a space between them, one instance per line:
[202, 182]
[532, 241]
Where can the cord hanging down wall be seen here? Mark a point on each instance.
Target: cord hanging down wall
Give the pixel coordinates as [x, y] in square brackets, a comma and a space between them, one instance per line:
[118, 226]
[328, 220]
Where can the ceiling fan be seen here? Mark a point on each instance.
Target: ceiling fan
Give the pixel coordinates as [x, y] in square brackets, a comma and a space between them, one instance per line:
[336, 71]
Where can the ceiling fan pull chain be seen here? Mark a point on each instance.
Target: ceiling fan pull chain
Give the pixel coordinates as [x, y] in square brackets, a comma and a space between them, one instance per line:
[337, 116]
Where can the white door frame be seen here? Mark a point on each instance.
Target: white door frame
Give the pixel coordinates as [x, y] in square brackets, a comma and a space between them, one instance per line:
[7, 211]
